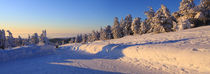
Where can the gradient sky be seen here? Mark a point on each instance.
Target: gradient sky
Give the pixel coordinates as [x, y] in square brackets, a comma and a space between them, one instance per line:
[71, 16]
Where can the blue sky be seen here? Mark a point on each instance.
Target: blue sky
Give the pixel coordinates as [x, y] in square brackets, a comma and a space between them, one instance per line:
[67, 16]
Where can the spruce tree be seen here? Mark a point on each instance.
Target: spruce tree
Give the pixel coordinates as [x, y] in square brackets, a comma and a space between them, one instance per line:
[136, 25]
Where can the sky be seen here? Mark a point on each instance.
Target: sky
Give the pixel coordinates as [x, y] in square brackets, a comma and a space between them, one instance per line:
[68, 17]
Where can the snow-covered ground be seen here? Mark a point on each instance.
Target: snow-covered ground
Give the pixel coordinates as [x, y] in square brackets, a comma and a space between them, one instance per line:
[183, 52]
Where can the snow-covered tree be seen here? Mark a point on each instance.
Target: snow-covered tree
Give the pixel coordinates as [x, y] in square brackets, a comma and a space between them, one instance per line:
[102, 34]
[162, 21]
[78, 39]
[19, 41]
[84, 38]
[95, 35]
[43, 37]
[116, 29]
[106, 33]
[72, 40]
[203, 12]
[144, 27]
[10, 39]
[127, 29]
[183, 23]
[186, 6]
[3, 42]
[136, 25]
[35, 38]
[150, 13]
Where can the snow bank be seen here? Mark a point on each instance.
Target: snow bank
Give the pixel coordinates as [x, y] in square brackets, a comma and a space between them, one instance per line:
[25, 51]
[186, 51]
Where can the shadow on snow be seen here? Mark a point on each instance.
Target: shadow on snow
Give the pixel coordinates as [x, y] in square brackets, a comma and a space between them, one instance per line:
[111, 51]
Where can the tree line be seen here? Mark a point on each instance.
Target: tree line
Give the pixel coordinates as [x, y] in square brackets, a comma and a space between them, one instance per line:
[188, 16]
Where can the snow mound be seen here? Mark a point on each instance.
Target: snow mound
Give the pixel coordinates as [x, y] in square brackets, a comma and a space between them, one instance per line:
[186, 51]
[25, 51]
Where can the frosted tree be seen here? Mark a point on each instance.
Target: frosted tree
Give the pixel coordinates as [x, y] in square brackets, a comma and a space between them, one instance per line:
[136, 25]
[10, 39]
[72, 40]
[43, 37]
[186, 6]
[96, 35]
[35, 38]
[127, 29]
[116, 29]
[28, 41]
[144, 27]
[203, 12]
[78, 39]
[108, 32]
[84, 38]
[102, 34]
[3, 41]
[183, 23]
[150, 13]
[162, 21]
[19, 41]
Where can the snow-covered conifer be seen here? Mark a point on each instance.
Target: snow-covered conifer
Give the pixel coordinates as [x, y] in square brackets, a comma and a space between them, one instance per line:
[3, 41]
[35, 38]
[136, 25]
[186, 6]
[150, 13]
[116, 29]
[85, 38]
[127, 29]
[162, 21]
[10, 39]
[144, 27]
[43, 37]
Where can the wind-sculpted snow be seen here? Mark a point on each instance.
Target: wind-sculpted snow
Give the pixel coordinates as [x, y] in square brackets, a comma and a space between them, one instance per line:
[186, 51]
[26, 51]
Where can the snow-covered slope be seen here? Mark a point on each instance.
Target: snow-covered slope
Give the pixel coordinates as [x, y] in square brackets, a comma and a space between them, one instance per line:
[25, 51]
[186, 51]
[183, 52]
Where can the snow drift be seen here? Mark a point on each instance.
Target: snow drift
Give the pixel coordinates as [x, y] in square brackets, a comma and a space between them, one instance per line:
[186, 51]
[25, 51]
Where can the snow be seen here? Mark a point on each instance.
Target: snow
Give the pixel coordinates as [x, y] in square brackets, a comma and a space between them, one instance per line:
[181, 52]
[25, 51]
[185, 51]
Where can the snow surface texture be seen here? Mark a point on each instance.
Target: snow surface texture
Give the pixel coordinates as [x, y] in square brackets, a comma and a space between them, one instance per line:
[183, 52]
[186, 51]
[25, 51]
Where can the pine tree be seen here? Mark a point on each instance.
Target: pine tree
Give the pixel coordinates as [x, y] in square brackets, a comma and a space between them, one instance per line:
[150, 13]
[162, 21]
[203, 12]
[3, 42]
[102, 34]
[108, 32]
[85, 38]
[186, 6]
[43, 37]
[136, 25]
[116, 29]
[144, 27]
[35, 38]
[10, 39]
[19, 41]
[127, 29]
[78, 39]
